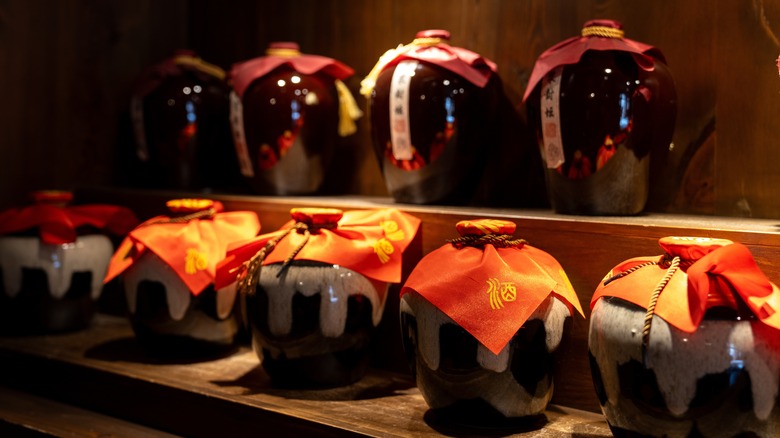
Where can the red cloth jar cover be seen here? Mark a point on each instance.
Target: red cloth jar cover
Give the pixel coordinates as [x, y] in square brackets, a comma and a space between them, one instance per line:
[490, 291]
[57, 223]
[720, 268]
[369, 242]
[570, 51]
[430, 46]
[192, 245]
[288, 54]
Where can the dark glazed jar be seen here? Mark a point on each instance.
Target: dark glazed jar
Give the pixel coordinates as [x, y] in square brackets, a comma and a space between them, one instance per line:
[603, 107]
[316, 289]
[167, 266]
[288, 111]
[481, 319]
[52, 261]
[708, 362]
[180, 114]
[434, 120]
[313, 325]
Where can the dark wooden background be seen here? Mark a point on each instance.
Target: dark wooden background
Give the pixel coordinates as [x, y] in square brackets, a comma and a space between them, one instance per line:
[66, 70]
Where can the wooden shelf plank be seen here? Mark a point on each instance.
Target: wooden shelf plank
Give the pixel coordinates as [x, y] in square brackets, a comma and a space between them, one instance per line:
[104, 369]
[25, 414]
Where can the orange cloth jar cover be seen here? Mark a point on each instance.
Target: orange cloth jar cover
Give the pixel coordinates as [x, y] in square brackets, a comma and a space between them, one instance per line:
[57, 222]
[490, 291]
[191, 245]
[369, 242]
[712, 272]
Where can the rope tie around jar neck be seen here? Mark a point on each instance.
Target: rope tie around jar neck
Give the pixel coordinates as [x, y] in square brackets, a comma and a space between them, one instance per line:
[368, 83]
[672, 264]
[249, 272]
[479, 241]
[426, 41]
[202, 214]
[602, 31]
[282, 51]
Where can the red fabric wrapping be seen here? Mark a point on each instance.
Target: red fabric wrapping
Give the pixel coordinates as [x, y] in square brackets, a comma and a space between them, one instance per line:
[369, 242]
[570, 51]
[720, 271]
[244, 73]
[57, 224]
[732, 269]
[192, 249]
[459, 282]
[465, 63]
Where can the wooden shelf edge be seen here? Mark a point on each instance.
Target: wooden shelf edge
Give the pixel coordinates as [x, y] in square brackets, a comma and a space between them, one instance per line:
[105, 370]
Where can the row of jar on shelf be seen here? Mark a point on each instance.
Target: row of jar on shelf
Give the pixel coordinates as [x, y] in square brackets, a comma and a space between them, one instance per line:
[683, 343]
[602, 104]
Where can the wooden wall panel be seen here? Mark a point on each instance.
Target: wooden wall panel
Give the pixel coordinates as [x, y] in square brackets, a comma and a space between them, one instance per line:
[747, 177]
[87, 52]
[66, 70]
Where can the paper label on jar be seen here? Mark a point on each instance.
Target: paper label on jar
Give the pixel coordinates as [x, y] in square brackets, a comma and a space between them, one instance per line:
[239, 138]
[137, 116]
[551, 121]
[400, 132]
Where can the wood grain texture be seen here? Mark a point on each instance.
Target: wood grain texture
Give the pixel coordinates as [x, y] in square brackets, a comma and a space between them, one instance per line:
[24, 414]
[748, 107]
[68, 68]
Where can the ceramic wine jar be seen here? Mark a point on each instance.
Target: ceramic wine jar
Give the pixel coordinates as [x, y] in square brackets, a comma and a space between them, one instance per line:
[482, 318]
[316, 290]
[434, 119]
[53, 257]
[603, 106]
[288, 112]
[700, 359]
[167, 266]
[180, 115]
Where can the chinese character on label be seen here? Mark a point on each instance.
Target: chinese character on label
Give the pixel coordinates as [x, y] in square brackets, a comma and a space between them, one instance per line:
[551, 126]
[239, 137]
[400, 134]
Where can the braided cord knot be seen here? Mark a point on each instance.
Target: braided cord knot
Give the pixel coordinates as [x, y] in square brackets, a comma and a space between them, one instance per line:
[672, 264]
[249, 271]
[602, 31]
[479, 241]
[202, 214]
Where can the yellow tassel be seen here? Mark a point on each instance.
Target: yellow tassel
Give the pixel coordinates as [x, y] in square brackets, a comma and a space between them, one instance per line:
[199, 64]
[348, 110]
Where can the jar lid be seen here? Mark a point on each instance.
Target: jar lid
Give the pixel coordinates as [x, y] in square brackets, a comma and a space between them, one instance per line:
[484, 227]
[434, 33]
[612, 24]
[283, 48]
[319, 217]
[189, 205]
[691, 248]
[52, 197]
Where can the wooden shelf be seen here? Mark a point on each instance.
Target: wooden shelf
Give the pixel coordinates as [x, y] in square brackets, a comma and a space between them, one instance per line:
[587, 248]
[103, 369]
